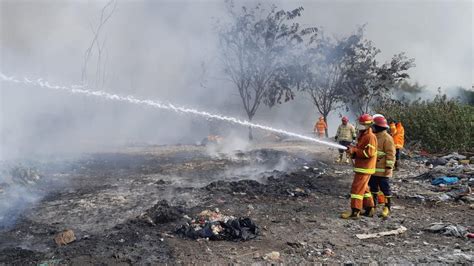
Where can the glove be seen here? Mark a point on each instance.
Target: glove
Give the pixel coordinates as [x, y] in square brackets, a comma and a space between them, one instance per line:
[350, 150]
[388, 171]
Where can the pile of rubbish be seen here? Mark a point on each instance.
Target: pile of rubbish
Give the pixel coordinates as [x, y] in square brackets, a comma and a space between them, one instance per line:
[449, 230]
[450, 160]
[449, 177]
[213, 225]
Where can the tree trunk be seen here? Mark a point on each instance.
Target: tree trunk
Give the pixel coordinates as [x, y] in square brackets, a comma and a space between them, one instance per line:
[250, 116]
[326, 130]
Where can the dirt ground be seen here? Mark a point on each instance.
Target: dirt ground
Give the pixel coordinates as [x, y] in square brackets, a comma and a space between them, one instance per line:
[99, 196]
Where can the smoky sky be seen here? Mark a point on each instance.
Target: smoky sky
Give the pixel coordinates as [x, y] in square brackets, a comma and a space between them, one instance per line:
[438, 34]
[167, 50]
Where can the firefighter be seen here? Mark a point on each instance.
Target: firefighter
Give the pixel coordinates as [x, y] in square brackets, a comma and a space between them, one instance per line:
[365, 155]
[320, 127]
[345, 135]
[398, 134]
[379, 182]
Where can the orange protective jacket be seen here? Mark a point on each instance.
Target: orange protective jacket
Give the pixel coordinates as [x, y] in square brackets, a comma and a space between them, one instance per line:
[320, 126]
[365, 153]
[398, 133]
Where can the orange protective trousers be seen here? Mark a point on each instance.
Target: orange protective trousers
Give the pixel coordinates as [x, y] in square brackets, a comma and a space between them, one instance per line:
[360, 192]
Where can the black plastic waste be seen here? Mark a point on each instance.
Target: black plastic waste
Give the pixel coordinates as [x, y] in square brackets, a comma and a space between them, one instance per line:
[240, 229]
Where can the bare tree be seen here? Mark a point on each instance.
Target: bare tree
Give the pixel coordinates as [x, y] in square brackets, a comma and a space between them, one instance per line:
[256, 46]
[323, 69]
[99, 45]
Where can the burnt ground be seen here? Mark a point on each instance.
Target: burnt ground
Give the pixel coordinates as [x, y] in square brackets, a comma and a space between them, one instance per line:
[102, 197]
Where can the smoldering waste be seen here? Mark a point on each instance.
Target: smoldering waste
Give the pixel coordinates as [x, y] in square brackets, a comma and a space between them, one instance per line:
[209, 224]
[217, 226]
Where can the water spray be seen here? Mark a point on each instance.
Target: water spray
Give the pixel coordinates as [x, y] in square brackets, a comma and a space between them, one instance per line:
[78, 89]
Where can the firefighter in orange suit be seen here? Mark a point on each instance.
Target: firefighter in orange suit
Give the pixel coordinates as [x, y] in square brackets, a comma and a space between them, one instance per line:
[379, 182]
[365, 155]
[398, 133]
[320, 128]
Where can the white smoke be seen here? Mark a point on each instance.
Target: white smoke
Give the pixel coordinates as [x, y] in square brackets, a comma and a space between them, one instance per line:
[167, 106]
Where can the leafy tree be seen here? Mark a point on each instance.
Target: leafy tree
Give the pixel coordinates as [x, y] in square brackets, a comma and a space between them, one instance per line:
[367, 81]
[256, 51]
[335, 71]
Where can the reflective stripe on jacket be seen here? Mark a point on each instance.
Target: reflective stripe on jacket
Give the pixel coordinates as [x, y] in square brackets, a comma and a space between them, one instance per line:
[346, 132]
[385, 153]
[398, 133]
[365, 153]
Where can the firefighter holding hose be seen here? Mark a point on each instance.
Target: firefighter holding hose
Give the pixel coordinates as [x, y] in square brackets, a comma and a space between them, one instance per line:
[345, 135]
[365, 155]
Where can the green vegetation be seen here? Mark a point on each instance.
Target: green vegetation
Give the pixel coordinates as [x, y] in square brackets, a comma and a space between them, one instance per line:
[438, 125]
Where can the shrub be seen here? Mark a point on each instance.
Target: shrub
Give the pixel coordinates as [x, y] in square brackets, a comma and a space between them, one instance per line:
[438, 125]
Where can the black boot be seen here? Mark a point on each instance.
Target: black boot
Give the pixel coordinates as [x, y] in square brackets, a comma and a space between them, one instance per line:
[369, 212]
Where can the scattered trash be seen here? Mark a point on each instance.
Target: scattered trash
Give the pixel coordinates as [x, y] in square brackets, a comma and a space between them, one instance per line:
[397, 207]
[398, 231]
[470, 235]
[272, 256]
[215, 226]
[418, 197]
[447, 229]
[444, 197]
[446, 180]
[65, 237]
[328, 252]
[455, 156]
[437, 161]
[296, 244]
[460, 193]
[298, 192]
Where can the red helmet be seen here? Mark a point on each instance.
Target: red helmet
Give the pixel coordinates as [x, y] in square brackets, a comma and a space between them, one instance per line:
[366, 119]
[380, 121]
[345, 119]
